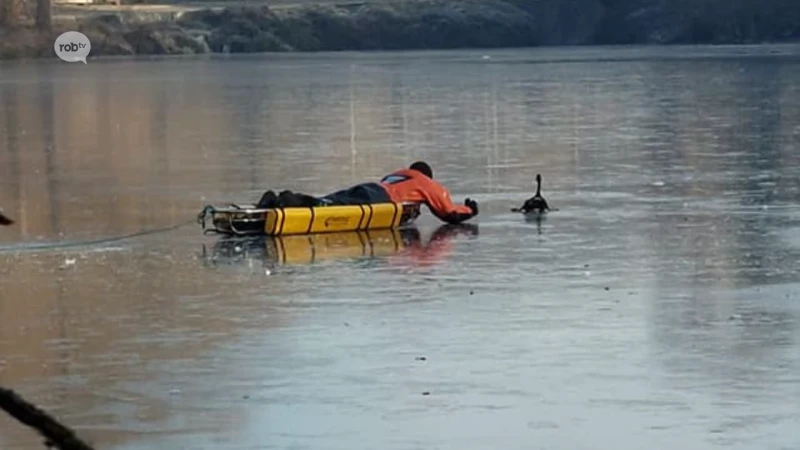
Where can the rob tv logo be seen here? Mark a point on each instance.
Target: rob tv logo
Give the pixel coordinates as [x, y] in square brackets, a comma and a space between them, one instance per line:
[72, 47]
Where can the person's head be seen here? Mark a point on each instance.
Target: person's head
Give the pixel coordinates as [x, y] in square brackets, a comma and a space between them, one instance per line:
[423, 167]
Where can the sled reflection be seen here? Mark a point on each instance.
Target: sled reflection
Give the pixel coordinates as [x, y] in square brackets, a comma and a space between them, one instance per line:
[313, 248]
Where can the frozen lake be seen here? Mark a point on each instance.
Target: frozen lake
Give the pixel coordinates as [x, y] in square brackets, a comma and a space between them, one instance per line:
[659, 307]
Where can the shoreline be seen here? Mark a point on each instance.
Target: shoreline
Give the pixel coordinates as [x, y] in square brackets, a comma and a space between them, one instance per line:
[368, 53]
[230, 28]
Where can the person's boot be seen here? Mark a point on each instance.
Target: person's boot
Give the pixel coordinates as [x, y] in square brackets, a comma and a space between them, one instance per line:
[287, 199]
[268, 201]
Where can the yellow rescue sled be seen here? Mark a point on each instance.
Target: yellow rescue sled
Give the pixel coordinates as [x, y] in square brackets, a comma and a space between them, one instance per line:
[242, 220]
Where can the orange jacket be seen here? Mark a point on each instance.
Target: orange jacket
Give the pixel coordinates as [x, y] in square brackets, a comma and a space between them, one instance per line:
[408, 185]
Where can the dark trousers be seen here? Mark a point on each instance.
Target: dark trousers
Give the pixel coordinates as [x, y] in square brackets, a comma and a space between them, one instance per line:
[360, 194]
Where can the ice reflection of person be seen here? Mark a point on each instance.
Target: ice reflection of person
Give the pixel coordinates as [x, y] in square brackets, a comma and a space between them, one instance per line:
[305, 249]
[439, 245]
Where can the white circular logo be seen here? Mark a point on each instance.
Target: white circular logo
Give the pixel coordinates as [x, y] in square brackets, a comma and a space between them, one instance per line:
[73, 47]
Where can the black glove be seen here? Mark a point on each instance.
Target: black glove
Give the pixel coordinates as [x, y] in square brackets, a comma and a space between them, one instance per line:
[473, 205]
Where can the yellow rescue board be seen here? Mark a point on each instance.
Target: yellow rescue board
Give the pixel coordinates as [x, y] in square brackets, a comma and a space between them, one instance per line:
[241, 220]
[285, 221]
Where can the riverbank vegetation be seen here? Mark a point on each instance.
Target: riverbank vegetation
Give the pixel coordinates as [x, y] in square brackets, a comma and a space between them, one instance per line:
[427, 24]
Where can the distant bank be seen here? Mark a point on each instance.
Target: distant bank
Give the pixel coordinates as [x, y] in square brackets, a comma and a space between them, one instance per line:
[423, 24]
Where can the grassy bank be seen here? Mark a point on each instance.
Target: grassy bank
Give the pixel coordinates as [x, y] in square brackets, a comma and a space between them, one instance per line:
[427, 24]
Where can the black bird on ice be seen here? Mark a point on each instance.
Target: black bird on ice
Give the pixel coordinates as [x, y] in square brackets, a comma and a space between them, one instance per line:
[537, 203]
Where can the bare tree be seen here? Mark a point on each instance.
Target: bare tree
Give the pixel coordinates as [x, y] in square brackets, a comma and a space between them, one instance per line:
[10, 13]
[44, 15]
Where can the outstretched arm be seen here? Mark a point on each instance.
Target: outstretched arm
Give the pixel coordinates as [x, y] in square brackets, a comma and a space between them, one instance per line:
[453, 218]
[439, 202]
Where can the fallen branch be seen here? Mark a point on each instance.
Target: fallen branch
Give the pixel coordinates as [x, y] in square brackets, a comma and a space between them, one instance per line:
[5, 220]
[57, 435]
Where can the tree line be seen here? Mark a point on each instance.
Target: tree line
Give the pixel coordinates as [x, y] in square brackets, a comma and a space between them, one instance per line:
[14, 12]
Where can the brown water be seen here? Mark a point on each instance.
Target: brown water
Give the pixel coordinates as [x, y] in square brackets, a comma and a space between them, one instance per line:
[658, 308]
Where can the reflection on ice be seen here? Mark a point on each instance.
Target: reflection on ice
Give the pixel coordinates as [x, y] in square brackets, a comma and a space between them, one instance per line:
[314, 248]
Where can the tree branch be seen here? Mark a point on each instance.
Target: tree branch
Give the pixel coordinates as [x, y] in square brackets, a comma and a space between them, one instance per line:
[57, 435]
[5, 220]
